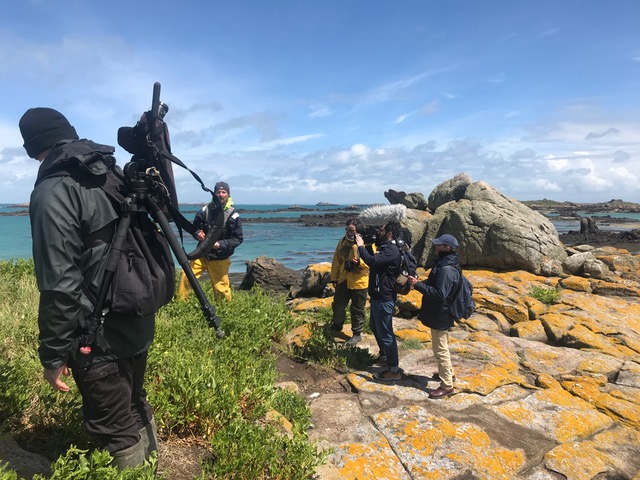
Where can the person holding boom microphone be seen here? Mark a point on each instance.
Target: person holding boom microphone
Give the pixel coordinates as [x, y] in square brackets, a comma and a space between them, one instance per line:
[384, 267]
[72, 226]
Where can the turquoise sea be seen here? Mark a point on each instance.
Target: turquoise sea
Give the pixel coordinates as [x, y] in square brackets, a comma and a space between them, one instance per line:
[292, 244]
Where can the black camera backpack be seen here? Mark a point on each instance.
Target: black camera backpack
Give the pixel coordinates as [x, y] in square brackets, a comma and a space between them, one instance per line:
[144, 278]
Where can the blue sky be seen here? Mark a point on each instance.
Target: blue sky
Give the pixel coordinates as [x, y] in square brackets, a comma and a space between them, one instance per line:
[338, 101]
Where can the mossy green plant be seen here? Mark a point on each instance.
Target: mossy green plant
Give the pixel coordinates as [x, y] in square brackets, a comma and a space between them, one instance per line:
[544, 294]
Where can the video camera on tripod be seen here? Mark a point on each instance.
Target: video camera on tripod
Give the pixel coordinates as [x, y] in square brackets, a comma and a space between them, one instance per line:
[148, 189]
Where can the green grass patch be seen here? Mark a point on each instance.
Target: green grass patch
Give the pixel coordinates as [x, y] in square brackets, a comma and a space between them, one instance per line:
[322, 350]
[199, 385]
[411, 344]
[545, 295]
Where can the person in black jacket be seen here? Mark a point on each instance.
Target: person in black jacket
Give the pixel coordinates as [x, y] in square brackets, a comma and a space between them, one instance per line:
[436, 290]
[384, 268]
[218, 260]
[72, 224]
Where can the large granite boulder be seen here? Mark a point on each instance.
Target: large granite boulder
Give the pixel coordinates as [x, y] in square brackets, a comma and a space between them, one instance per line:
[587, 265]
[270, 275]
[416, 222]
[449, 190]
[494, 231]
[315, 279]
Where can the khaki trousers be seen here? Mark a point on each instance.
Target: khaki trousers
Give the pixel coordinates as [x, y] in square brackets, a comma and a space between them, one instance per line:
[218, 273]
[440, 346]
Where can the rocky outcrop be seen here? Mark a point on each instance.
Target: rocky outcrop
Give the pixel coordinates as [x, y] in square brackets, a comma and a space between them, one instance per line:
[270, 275]
[315, 280]
[414, 200]
[586, 264]
[494, 231]
[543, 391]
[449, 191]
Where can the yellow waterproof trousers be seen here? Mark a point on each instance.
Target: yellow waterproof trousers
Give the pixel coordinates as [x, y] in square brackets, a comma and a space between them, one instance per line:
[218, 274]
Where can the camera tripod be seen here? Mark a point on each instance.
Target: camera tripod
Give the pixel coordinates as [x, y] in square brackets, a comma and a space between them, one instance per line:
[147, 194]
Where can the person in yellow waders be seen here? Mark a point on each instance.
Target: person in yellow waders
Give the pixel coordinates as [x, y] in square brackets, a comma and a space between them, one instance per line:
[218, 260]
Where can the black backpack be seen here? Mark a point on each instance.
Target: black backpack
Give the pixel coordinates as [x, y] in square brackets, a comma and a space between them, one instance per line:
[144, 278]
[460, 304]
[408, 267]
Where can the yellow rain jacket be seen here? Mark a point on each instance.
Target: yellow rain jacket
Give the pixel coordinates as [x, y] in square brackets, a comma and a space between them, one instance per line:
[358, 277]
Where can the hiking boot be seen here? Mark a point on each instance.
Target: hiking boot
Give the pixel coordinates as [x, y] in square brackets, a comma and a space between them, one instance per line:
[441, 393]
[380, 360]
[335, 328]
[354, 340]
[388, 376]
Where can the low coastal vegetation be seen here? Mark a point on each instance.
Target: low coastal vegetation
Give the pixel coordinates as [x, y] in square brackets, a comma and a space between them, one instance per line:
[545, 295]
[218, 394]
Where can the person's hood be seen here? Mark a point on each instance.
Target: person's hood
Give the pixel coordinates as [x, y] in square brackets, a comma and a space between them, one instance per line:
[89, 157]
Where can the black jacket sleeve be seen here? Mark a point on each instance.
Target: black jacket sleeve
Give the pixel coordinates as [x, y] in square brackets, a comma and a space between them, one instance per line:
[61, 214]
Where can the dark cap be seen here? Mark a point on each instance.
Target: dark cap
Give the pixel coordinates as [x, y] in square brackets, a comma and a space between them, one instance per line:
[42, 128]
[446, 239]
[221, 186]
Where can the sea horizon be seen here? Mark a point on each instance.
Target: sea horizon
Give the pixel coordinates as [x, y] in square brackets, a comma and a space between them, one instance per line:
[293, 244]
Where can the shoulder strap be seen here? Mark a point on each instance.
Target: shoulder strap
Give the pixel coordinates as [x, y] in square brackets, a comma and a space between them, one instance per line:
[454, 293]
[228, 213]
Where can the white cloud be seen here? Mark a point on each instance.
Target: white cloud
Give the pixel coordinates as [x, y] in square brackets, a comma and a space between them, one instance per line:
[403, 117]
[318, 111]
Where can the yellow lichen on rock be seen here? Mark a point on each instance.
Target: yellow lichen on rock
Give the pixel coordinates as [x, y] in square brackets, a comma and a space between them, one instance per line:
[603, 287]
[589, 389]
[532, 330]
[577, 284]
[605, 453]
[535, 306]
[310, 305]
[299, 336]
[547, 381]
[442, 449]
[580, 336]
[556, 325]
[576, 461]
[356, 461]
[556, 414]
[413, 334]
[515, 312]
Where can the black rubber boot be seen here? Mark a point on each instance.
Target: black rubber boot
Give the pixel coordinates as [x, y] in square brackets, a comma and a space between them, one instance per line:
[130, 457]
[149, 437]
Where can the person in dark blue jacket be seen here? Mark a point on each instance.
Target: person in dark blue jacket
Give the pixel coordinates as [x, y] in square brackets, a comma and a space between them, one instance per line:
[384, 268]
[218, 261]
[436, 290]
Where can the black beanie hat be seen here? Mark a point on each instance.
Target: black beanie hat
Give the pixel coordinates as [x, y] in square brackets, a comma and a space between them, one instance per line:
[222, 186]
[42, 128]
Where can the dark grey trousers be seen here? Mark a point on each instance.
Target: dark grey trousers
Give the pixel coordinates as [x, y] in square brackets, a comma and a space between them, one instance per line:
[341, 299]
[114, 402]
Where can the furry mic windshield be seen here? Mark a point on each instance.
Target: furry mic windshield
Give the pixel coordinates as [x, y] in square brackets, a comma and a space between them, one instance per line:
[383, 214]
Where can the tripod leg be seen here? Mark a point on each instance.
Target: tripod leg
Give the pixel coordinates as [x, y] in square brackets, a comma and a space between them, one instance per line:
[208, 310]
[95, 320]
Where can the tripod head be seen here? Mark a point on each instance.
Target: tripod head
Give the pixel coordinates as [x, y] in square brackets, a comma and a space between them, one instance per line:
[151, 187]
[149, 143]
